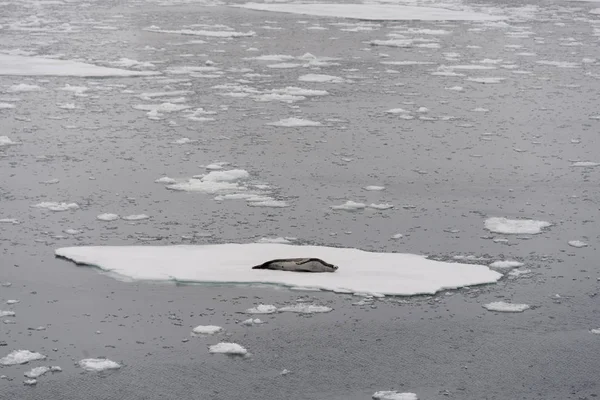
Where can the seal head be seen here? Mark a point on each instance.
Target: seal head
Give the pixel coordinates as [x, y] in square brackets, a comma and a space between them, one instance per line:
[298, 265]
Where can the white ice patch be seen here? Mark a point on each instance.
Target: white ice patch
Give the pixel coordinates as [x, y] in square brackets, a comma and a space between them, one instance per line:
[374, 188]
[6, 141]
[295, 123]
[206, 330]
[305, 309]
[394, 395]
[107, 217]
[359, 271]
[262, 309]
[585, 164]
[228, 348]
[165, 179]
[98, 364]
[21, 357]
[320, 78]
[250, 322]
[595, 331]
[36, 372]
[38, 66]
[383, 206]
[136, 217]
[515, 226]
[486, 80]
[280, 240]
[7, 313]
[349, 206]
[23, 87]
[54, 206]
[161, 108]
[191, 32]
[577, 243]
[506, 264]
[501, 306]
[6, 106]
[375, 12]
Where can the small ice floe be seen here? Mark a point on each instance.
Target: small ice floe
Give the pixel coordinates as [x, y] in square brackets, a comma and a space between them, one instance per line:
[397, 236]
[373, 188]
[305, 309]
[23, 87]
[228, 348]
[21, 357]
[268, 203]
[595, 331]
[505, 264]
[501, 306]
[6, 106]
[206, 330]
[397, 111]
[161, 108]
[295, 123]
[54, 206]
[281, 240]
[285, 372]
[136, 217]
[12, 301]
[383, 206]
[30, 382]
[50, 182]
[577, 243]
[250, 322]
[515, 226]
[515, 273]
[486, 80]
[394, 395]
[9, 221]
[349, 206]
[585, 164]
[7, 313]
[72, 231]
[6, 141]
[107, 217]
[165, 179]
[98, 364]
[36, 372]
[320, 78]
[262, 309]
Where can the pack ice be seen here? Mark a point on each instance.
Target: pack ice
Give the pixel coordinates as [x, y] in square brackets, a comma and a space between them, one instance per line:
[359, 271]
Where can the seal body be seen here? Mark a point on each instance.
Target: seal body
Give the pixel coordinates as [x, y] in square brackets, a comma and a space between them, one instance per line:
[298, 265]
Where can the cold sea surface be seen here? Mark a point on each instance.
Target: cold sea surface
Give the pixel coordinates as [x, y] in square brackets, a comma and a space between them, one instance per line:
[405, 135]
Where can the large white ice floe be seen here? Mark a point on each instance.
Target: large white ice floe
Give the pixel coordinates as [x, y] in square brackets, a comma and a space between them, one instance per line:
[21, 357]
[98, 364]
[228, 348]
[206, 330]
[359, 271]
[375, 12]
[515, 226]
[393, 395]
[39, 66]
[501, 306]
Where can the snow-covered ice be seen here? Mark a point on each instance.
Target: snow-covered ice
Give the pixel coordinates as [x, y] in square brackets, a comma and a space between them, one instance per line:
[54, 206]
[5, 141]
[136, 217]
[502, 306]
[577, 243]
[98, 364]
[505, 264]
[382, 206]
[107, 217]
[374, 188]
[305, 309]
[21, 357]
[38, 66]
[294, 122]
[206, 330]
[394, 395]
[262, 309]
[36, 372]
[191, 32]
[349, 206]
[250, 322]
[585, 164]
[7, 313]
[228, 348]
[376, 12]
[515, 226]
[359, 271]
[320, 78]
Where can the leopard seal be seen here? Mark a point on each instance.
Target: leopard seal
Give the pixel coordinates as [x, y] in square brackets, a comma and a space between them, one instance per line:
[298, 265]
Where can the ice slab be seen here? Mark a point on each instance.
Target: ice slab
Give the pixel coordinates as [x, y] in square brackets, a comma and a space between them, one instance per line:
[359, 271]
[515, 226]
[206, 330]
[373, 12]
[38, 66]
[501, 306]
[98, 364]
[21, 357]
[393, 395]
[228, 348]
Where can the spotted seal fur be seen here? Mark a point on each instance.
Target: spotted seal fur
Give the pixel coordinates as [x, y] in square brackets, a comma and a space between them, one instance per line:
[298, 265]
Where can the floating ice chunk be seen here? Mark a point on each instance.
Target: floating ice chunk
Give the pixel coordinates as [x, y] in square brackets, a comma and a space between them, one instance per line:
[9, 221]
[250, 322]
[136, 217]
[375, 12]
[297, 91]
[284, 65]
[397, 111]
[20, 357]
[502, 306]
[199, 185]
[6, 106]
[226, 176]
[272, 57]
[406, 63]
[12, 301]
[394, 395]
[488, 80]
[98, 364]
[320, 78]
[173, 93]
[7, 313]
[36, 372]
[518, 272]
[595, 331]
[5, 141]
[349, 206]
[397, 236]
[219, 34]
[77, 90]
[373, 188]
[559, 64]
[72, 231]
[54, 206]
[107, 217]
[281, 240]
[360, 271]
[585, 164]
[506, 264]
[38, 66]
[577, 243]
[268, 203]
[30, 382]
[228, 348]
[305, 309]
[23, 87]
[262, 309]
[287, 98]
[294, 122]
[206, 330]
[165, 179]
[383, 206]
[161, 108]
[480, 109]
[129, 63]
[515, 226]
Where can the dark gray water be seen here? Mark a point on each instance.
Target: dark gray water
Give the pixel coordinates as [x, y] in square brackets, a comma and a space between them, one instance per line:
[106, 156]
